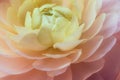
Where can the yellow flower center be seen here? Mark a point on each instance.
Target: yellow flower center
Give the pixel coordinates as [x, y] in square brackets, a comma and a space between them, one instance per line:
[48, 25]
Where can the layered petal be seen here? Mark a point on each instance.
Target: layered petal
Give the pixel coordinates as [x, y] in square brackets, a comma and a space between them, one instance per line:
[103, 49]
[82, 71]
[31, 75]
[51, 64]
[15, 65]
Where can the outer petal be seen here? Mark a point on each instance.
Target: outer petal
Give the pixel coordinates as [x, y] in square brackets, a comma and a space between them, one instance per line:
[103, 49]
[110, 25]
[15, 65]
[51, 64]
[112, 66]
[56, 72]
[96, 27]
[65, 76]
[82, 71]
[5, 50]
[32, 75]
[96, 76]
[87, 50]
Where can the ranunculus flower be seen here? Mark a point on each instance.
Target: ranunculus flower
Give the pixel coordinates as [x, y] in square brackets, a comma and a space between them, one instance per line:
[56, 39]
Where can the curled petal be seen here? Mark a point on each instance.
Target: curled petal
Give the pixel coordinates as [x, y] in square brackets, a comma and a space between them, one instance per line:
[75, 56]
[96, 27]
[110, 25]
[87, 50]
[103, 49]
[51, 64]
[65, 46]
[5, 50]
[56, 72]
[82, 71]
[65, 76]
[89, 17]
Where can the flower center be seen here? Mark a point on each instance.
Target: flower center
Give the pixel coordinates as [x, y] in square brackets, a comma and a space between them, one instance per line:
[50, 24]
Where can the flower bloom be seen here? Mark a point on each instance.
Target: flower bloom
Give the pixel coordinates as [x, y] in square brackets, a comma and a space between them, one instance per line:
[53, 39]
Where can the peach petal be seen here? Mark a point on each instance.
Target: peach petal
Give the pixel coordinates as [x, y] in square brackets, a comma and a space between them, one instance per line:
[56, 72]
[5, 50]
[3, 74]
[15, 65]
[51, 64]
[31, 75]
[110, 25]
[82, 71]
[25, 53]
[65, 76]
[103, 49]
[87, 50]
[16, 3]
[75, 56]
[96, 27]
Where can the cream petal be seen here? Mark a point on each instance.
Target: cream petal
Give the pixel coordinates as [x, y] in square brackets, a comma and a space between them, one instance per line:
[96, 27]
[83, 70]
[60, 54]
[3, 20]
[51, 64]
[31, 75]
[89, 13]
[56, 72]
[65, 46]
[110, 25]
[65, 76]
[16, 3]
[103, 49]
[87, 50]
[99, 5]
[15, 65]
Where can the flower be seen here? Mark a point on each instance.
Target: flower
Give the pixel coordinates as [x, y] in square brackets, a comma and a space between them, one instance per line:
[51, 39]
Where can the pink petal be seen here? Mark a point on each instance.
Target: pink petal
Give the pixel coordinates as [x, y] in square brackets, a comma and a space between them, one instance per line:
[110, 25]
[32, 75]
[96, 76]
[118, 77]
[75, 56]
[56, 72]
[103, 49]
[65, 76]
[112, 66]
[3, 74]
[15, 65]
[82, 71]
[96, 27]
[87, 50]
[51, 64]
